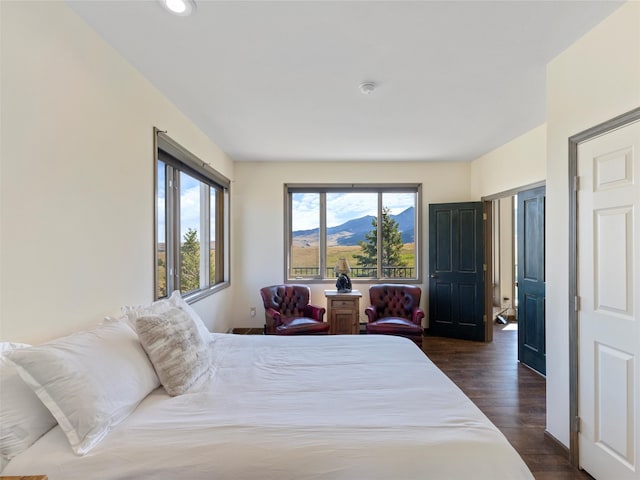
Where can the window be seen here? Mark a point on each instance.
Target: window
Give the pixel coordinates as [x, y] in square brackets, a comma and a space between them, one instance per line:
[191, 222]
[328, 222]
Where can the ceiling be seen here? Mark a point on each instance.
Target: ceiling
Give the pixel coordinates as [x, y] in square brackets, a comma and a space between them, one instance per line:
[279, 80]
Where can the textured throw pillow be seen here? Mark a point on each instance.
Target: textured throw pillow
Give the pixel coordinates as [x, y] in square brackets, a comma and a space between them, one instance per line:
[174, 301]
[90, 381]
[176, 349]
[177, 300]
[23, 417]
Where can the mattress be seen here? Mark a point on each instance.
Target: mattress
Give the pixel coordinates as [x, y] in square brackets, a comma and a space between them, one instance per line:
[313, 408]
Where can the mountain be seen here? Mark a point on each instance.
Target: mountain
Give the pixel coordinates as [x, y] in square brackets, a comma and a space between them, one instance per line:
[353, 231]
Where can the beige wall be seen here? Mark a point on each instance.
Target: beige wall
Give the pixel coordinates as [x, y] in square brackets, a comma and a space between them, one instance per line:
[514, 164]
[597, 78]
[258, 200]
[507, 259]
[76, 192]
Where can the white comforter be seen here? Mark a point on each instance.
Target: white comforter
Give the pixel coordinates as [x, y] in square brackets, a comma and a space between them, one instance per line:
[306, 408]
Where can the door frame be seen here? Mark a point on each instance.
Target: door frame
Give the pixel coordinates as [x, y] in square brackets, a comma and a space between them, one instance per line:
[574, 142]
[488, 251]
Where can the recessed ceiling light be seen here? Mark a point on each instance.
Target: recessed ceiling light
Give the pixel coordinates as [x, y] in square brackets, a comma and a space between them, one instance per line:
[179, 7]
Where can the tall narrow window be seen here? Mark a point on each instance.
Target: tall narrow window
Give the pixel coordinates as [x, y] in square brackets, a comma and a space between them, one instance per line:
[356, 238]
[305, 240]
[398, 233]
[191, 203]
[190, 233]
[374, 227]
[214, 218]
[161, 232]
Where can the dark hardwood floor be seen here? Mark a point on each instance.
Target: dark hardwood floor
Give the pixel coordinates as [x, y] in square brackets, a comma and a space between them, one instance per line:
[511, 395]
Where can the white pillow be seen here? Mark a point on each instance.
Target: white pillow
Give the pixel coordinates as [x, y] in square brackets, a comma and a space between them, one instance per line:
[6, 346]
[176, 349]
[161, 306]
[90, 381]
[23, 417]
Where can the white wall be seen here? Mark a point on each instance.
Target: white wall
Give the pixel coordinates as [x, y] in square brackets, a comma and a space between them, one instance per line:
[515, 164]
[76, 192]
[258, 201]
[595, 79]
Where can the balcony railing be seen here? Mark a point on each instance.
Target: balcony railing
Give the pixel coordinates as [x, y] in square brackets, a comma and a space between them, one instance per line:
[356, 272]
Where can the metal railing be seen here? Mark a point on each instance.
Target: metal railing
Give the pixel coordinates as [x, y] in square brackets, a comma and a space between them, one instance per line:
[356, 272]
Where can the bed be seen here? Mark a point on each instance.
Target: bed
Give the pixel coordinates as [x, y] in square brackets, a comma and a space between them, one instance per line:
[307, 407]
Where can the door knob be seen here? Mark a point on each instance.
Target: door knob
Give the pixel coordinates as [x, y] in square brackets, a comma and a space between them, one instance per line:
[433, 275]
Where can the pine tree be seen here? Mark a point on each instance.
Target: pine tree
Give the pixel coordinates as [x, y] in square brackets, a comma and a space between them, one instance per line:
[190, 261]
[391, 243]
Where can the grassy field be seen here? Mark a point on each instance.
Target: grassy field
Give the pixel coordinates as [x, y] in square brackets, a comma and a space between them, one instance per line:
[308, 256]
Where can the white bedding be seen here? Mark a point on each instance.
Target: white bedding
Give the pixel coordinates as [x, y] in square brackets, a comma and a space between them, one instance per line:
[306, 408]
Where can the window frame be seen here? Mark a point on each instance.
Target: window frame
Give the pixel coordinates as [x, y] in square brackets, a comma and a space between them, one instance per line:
[179, 160]
[380, 189]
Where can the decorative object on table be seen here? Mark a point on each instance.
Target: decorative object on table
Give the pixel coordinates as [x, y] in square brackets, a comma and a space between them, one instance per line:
[342, 269]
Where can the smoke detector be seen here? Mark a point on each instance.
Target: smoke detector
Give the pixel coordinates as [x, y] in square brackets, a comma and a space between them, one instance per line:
[367, 88]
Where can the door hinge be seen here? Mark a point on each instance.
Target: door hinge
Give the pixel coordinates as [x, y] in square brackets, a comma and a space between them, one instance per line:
[577, 303]
[576, 424]
[484, 319]
[576, 183]
[484, 216]
[484, 267]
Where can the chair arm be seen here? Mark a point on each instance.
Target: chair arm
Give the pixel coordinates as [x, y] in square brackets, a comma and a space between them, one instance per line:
[312, 311]
[418, 315]
[277, 318]
[371, 313]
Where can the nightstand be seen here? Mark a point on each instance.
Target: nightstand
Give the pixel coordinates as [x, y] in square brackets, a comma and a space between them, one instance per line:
[343, 312]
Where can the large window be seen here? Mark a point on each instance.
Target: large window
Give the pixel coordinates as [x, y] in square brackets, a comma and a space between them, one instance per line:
[374, 227]
[191, 226]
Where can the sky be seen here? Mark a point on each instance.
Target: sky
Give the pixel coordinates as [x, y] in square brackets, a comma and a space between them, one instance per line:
[342, 207]
[189, 205]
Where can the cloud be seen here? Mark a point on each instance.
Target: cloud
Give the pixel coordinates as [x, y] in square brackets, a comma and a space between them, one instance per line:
[189, 205]
[342, 207]
[306, 211]
[398, 202]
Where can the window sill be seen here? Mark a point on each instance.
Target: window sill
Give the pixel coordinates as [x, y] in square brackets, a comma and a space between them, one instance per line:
[200, 294]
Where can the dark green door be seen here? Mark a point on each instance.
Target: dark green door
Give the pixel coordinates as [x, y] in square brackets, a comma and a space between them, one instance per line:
[456, 257]
[531, 281]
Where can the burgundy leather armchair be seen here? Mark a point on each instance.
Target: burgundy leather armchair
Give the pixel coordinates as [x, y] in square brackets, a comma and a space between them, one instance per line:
[395, 310]
[288, 312]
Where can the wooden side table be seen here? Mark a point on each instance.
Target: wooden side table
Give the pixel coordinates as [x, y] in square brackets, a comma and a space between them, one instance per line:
[25, 477]
[343, 312]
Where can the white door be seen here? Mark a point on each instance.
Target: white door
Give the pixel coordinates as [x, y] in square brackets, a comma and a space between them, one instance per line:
[609, 313]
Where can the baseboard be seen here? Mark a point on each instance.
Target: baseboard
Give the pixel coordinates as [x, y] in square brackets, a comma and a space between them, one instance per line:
[247, 331]
[557, 442]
